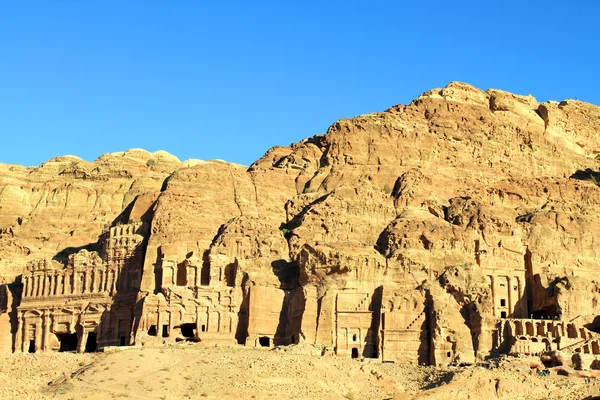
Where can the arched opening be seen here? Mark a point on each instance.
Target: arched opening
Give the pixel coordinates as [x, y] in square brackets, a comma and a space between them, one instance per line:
[264, 341]
[354, 352]
[529, 328]
[90, 344]
[540, 329]
[518, 328]
[152, 330]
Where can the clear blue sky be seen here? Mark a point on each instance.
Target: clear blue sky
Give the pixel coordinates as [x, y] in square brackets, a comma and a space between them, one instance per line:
[229, 79]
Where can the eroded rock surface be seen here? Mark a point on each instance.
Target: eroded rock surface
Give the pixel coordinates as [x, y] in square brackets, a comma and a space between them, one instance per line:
[459, 226]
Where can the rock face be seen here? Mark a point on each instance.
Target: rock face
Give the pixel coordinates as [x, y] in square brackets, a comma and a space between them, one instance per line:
[455, 227]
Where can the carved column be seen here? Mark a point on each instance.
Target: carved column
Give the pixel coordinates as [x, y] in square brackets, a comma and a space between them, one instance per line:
[19, 335]
[113, 283]
[37, 286]
[38, 334]
[46, 330]
[23, 332]
[60, 289]
[158, 322]
[510, 295]
[94, 272]
[493, 294]
[25, 285]
[68, 289]
[105, 284]
[82, 341]
[51, 289]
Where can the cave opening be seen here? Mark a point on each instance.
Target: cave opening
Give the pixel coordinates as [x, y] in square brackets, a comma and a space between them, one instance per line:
[188, 330]
[91, 344]
[68, 342]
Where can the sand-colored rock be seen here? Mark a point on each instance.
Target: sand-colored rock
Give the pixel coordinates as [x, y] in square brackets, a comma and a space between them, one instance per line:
[455, 228]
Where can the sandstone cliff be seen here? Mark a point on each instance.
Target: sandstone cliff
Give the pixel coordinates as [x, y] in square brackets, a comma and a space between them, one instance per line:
[425, 233]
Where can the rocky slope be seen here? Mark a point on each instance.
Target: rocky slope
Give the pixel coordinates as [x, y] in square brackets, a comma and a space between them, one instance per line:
[422, 198]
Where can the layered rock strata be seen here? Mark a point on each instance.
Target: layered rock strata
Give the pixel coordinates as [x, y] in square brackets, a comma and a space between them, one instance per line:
[459, 226]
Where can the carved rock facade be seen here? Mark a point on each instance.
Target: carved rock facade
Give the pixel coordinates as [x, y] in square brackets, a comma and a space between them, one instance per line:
[454, 228]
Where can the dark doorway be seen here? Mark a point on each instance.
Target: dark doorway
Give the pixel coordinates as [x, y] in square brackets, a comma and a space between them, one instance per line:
[91, 345]
[181, 275]
[354, 352]
[152, 330]
[187, 330]
[165, 331]
[122, 341]
[230, 272]
[32, 346]
[264, 341]
[68, 341]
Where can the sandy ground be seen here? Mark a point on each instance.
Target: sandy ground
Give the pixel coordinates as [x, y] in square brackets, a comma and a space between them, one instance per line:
[196, 372]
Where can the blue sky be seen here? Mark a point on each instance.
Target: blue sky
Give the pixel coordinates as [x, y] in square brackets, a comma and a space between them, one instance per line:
[230, 79]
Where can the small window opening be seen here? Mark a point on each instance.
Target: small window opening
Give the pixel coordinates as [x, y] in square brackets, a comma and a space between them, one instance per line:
[203, 328]
[354, 338]
[503, 314]
[264, 341]
[32, 346]
[165, 331]
[449, 354]
[354, 352]
[152, 330]
[502, 302]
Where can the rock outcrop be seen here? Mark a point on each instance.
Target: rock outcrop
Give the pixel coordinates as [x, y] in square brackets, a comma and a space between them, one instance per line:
[442, 231]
